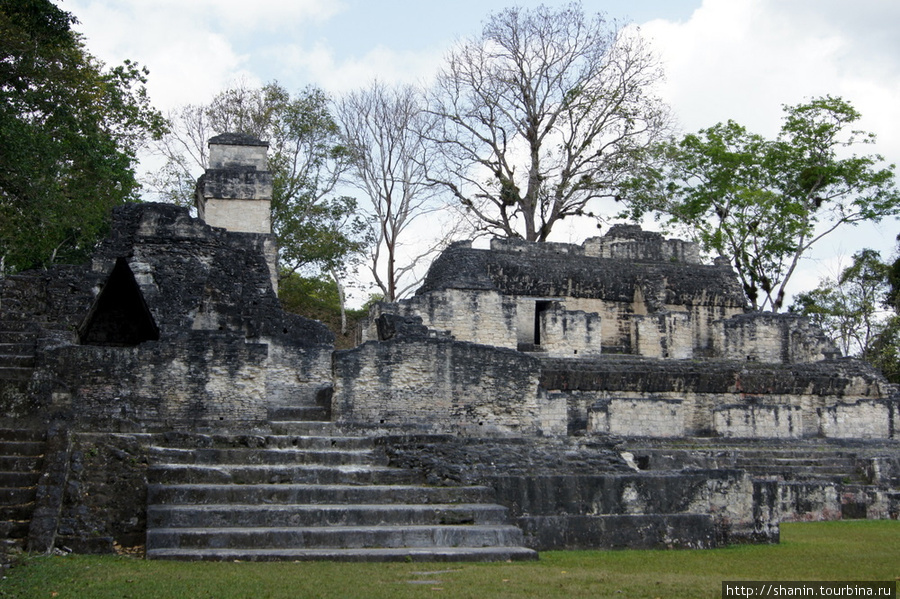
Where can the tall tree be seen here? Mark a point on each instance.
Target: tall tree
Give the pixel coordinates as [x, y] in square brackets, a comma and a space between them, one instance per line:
[763, 204]
[385, 130]
[849, 307]
[316, 228]
[70, 130]
[541, 114]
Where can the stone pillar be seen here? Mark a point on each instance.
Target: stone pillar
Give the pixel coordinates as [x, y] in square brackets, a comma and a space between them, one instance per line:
[235, 193]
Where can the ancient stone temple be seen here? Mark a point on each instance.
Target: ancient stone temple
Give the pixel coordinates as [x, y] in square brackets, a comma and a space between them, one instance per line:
[612, 394]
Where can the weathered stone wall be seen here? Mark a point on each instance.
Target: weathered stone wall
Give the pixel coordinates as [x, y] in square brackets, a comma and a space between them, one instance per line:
[637, 416]
[634, 396]
[629, 242]
[664, 335]
[475, 316]
[443, 385]
[750, 420]
[224, 346]
[105, 498]
[774, 338]
[566, 494]
[565, 333]
[861, 419]
[198, 381]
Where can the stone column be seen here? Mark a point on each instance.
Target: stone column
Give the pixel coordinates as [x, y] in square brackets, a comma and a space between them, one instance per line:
[235, 193]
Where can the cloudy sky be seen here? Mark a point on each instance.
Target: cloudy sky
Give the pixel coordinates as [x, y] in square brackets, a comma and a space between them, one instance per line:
[725, 59]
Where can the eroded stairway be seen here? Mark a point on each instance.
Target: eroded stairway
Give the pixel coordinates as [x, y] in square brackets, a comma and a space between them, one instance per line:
[311, 493]
[21, 460]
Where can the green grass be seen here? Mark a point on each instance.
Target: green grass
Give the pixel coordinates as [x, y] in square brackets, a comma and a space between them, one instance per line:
[857, 550]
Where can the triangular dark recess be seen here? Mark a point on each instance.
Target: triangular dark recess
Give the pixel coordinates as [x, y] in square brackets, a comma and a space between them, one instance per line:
[119, 316]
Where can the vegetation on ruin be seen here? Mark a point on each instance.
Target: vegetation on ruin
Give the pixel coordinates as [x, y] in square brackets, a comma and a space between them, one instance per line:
[849, 550]
[318, 229]
[319, 298]
[762, 204]
[859, 310]
[70, 130]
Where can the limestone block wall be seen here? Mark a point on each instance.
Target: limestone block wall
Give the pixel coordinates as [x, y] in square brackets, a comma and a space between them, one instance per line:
[484, 317]
[754, 420]
[645, 245]
[637, 416]
[565, 333]
[231, 150]
[671, 398]
[297, 376]
[862, 419]
[775, 338]
[664, 335]
[615, 326]
[678, 414]
[202, 380]
[699, 509]
[706, 326]
[441, 385]
[243, 216]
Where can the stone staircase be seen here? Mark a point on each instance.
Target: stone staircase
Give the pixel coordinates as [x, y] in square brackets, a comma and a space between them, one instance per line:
[17, 348]
[18, 339]
[21, 460]
[310, 493]
[788, 460]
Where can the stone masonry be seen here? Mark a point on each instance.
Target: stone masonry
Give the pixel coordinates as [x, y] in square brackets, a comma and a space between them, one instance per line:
[617, 393]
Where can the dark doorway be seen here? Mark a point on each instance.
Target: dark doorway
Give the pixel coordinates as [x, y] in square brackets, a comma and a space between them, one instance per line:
[119, 316]
[539, 308]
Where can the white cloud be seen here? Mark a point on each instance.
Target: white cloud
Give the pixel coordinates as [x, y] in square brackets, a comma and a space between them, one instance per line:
[192, 48]
[320, 65]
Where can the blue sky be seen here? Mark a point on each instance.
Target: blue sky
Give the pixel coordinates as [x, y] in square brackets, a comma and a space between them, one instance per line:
[724, 59]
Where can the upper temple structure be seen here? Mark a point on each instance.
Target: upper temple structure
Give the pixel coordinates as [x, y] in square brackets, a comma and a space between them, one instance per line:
[630, 334]
[529, 396]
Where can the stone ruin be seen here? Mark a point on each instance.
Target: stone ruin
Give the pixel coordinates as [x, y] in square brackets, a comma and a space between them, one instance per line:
[529, 397]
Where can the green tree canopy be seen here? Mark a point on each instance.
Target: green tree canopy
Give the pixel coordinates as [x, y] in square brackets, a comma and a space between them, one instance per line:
[764, 203]
[317, 229]
[849, 308]
[69, 134]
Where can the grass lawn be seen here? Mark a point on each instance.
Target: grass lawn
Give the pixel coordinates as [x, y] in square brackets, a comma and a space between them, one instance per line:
[850, 550]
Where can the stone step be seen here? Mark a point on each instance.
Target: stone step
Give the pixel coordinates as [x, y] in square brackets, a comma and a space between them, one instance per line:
[295, 473]
[17, 360]
[10, 348]
[298, 413]
[19, 463]
[13, 513]
[318, 442]
[19, 479]
[304, 427]
[22, 448]
[22, 434]
[275, 494]
[15, 373]
[14, 325]
[266, 441]
[17, 495]
[276, 456]
[18, 529]
[256, 516]
[403, 554]
[345, 537]
[24, 339]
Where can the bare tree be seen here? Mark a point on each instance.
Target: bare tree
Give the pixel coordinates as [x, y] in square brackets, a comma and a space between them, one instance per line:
[541, 114]
[386, 130]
